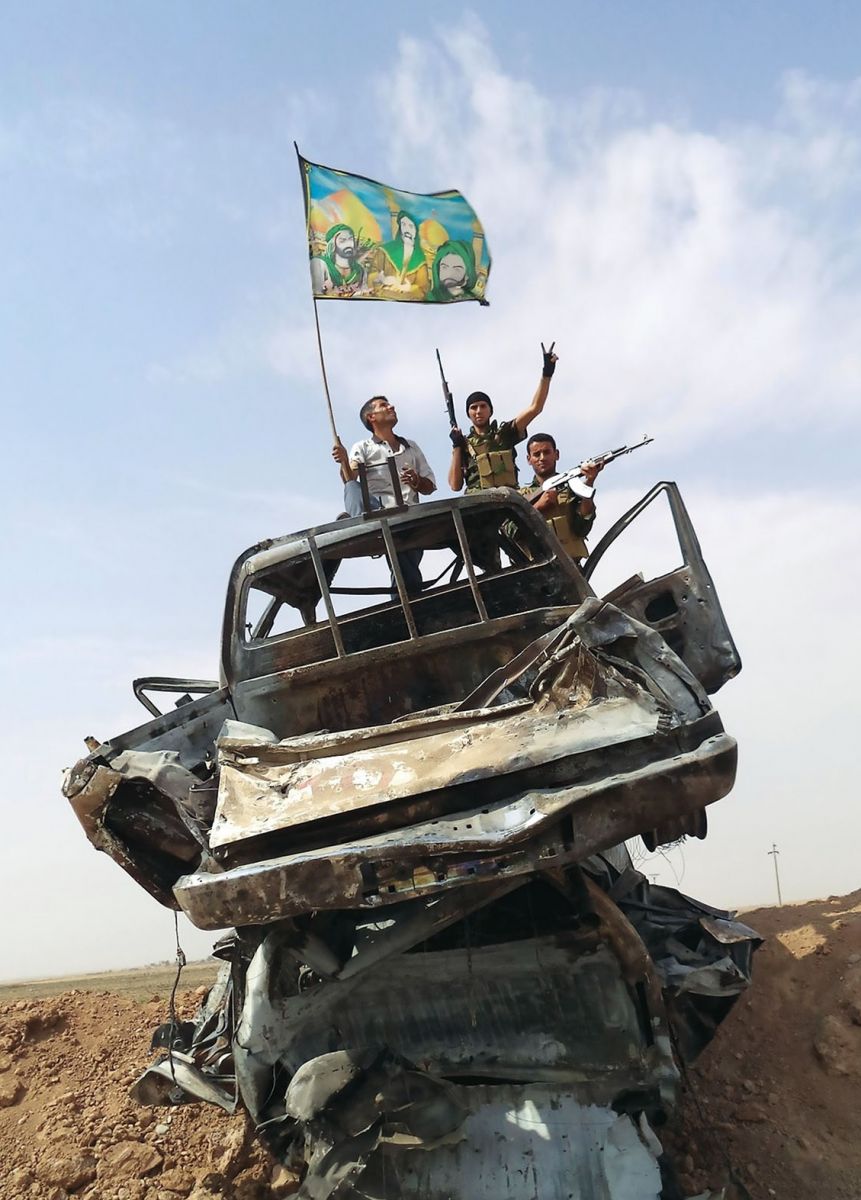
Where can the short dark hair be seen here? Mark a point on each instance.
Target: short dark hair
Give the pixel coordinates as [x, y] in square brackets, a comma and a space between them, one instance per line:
[475, 398]
[542, 437]
[366, 408]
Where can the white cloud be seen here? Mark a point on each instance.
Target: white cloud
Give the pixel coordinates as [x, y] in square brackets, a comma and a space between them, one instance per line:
[686, 274]
[682, 272]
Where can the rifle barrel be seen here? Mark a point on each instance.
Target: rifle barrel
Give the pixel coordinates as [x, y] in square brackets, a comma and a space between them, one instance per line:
[446, 391]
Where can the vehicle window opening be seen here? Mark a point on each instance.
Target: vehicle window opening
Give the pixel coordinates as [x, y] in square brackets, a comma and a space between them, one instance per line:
[282, 600]
[339, 593]
[661, 607]
[649, 549]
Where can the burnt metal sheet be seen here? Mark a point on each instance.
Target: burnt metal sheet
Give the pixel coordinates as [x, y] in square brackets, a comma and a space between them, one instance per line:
[491, 841]
[316, 1082]
[702, 955]
[90, 788]
[190, 730]
[521, 1142]
[541, 1009]
[583, 698]
[682, 605]
[202, 1069]
[404, 926]
[263, 788]
[159, 1083]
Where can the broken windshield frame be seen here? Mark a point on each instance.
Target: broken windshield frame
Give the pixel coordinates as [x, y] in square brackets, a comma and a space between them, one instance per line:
[494, 558]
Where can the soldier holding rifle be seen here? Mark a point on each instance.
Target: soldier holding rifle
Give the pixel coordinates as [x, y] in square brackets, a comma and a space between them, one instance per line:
[485, 457]
[566, 499]
[571, 517]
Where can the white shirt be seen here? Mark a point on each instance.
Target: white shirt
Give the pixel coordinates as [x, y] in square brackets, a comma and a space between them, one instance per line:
[375, 454]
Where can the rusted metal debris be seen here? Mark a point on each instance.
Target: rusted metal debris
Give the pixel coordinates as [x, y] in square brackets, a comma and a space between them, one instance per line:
[413, 812]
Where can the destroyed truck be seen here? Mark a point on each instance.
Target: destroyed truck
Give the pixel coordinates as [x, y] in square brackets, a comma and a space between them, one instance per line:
[444, 976]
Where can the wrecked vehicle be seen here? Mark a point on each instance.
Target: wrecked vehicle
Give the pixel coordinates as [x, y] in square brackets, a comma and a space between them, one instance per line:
[446, 978]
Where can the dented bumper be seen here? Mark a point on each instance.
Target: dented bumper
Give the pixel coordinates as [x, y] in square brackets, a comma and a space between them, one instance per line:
[531, 831]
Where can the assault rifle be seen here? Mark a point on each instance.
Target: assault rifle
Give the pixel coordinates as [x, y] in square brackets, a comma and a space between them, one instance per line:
[574, 476]
[446, 391]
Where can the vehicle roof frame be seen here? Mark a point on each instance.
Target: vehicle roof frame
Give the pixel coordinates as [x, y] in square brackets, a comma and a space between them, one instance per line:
[265, 555]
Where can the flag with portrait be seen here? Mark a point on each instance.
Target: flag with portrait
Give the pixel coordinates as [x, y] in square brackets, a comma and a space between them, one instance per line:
[368, 241]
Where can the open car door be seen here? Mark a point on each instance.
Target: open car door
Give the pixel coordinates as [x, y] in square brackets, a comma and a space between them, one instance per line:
[682, 605]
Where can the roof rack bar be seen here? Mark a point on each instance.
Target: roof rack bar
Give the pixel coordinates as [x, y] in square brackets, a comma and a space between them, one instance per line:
[399, 505]
[396, 483]
[395, 567]
[363, 485]
[467, 562]
[324, 592]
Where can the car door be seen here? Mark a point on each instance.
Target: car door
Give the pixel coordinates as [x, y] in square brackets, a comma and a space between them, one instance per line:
[681, 604]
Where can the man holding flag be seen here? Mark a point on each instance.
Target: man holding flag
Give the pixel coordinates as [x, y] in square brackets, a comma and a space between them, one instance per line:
[417, 479]
[415, 474]
[370, 241]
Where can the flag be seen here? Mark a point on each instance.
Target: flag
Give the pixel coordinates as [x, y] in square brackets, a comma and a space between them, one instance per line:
[367, 241]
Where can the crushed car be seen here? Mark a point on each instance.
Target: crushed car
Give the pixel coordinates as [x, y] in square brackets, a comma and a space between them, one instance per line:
[444, 975]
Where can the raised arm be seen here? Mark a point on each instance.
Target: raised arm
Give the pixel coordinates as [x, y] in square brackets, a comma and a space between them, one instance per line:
[524, 419]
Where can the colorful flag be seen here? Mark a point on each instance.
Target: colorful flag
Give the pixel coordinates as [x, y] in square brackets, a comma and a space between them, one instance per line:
[368, 241]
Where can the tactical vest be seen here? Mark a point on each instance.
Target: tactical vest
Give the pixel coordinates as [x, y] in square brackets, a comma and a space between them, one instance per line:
[495, 468]
[561, 523]
[491, 457]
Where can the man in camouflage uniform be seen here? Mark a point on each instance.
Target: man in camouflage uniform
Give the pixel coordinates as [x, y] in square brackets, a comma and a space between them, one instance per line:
[485, 457]
[570, 517]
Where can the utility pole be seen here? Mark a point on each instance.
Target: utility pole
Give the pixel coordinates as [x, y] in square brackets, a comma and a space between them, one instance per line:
[774, 853]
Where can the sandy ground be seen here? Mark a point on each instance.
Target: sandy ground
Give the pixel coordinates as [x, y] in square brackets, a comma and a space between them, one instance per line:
[139, 983]
[772, 1107]
[777, 1094]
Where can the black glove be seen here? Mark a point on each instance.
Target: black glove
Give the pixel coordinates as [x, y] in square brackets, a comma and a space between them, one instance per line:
[457, 438]
[549, 361]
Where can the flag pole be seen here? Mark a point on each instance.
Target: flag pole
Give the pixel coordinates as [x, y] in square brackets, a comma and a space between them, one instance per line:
[307, 199]
[325, 379]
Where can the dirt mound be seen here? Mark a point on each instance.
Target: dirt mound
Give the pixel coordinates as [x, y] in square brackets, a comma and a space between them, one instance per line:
[775, 1095]
[67, 1125]
[771, 1107]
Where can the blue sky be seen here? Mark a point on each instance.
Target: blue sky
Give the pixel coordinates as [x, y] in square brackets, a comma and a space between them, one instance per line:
[670, 192]
[710, 62]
